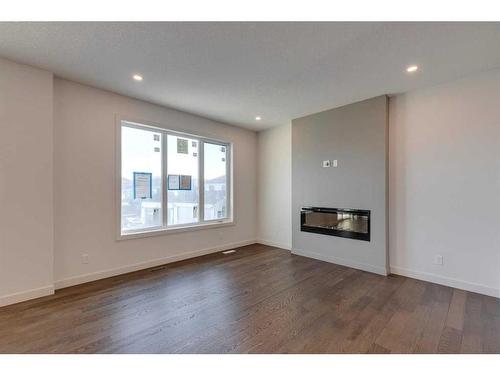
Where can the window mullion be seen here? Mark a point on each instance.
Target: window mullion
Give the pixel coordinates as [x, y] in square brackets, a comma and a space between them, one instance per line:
[229, 182]
[164, 182]
[201, 180]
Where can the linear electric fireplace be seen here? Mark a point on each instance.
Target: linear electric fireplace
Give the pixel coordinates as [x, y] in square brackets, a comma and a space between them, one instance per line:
[341, 222]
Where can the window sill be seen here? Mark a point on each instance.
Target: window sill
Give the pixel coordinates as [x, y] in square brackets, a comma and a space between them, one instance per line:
[165, 231]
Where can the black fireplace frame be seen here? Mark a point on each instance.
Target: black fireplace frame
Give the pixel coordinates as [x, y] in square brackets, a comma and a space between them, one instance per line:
[335, 232]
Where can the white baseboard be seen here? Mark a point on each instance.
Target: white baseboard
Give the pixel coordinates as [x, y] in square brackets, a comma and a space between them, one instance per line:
[80, 279]
[26, 295]
[342, 262]
[447, 281]
[275, 244]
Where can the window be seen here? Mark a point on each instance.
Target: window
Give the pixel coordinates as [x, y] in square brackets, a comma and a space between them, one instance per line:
[141, 153]
[171, 180]
[215, 180]
[182, 159]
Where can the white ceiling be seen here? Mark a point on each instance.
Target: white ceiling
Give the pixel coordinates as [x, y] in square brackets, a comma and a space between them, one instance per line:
[232, 72]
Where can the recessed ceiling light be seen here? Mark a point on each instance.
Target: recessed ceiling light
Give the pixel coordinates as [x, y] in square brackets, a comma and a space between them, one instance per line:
[258, 118]
[137, 77]
[412, 68]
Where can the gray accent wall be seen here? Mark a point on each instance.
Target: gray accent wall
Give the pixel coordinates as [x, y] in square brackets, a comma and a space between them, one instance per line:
[357, 136]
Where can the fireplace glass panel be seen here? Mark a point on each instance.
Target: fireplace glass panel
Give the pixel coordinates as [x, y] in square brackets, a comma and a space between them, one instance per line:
[339, 221]
[336, 222]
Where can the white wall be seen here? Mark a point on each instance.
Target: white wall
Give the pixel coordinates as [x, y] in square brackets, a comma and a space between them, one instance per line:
[444, 191]
[275, 190]
[26, 182]
[85, 222]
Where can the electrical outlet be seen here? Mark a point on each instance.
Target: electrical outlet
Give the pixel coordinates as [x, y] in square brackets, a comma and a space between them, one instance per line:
[326, 164]
[85, 258]
[438, 259]
[335, 163]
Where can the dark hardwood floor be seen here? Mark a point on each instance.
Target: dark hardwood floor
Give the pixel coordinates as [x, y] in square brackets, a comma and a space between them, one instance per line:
[258, 300]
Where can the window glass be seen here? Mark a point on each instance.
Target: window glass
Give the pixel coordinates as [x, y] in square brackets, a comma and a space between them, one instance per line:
[215, 170]
[182, 180]
[141, 183]
[162, 174]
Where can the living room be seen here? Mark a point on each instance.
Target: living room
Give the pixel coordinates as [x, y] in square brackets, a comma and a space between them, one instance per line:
[250, 187]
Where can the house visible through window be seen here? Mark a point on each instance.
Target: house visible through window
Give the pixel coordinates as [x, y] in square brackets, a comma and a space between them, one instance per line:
[141, 154]
[161, 175]
[183, 160]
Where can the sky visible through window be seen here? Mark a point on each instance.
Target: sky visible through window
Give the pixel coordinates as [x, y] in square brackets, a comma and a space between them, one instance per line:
[139, 152]
[213, 166]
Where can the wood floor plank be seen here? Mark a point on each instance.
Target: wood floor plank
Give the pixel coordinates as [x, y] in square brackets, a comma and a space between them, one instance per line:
[367, 325]
[451, 336]
[405, 326]
[437, 298]
[259, 299]
[456, 312]
[471, 338]
[450, 341]
[490, 318]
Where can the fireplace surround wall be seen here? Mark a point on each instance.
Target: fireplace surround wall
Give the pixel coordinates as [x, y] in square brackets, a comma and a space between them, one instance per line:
[356, 136]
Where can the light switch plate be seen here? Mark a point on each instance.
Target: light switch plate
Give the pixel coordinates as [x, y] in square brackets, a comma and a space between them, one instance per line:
[326, 163]
[335, 163]
[438, 259]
